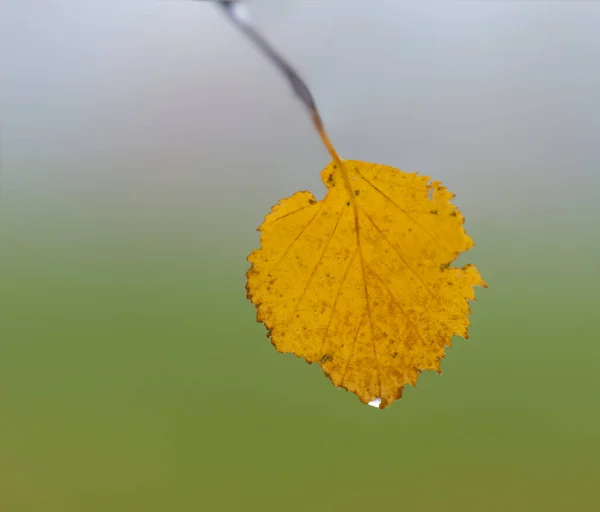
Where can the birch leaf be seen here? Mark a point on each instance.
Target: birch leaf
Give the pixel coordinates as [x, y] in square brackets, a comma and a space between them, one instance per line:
[361, 282]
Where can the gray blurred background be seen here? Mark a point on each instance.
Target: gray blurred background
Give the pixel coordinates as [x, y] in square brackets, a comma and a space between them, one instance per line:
[164, 97]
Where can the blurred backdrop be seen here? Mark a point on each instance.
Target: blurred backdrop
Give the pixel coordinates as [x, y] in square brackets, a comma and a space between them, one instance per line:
[142, 144]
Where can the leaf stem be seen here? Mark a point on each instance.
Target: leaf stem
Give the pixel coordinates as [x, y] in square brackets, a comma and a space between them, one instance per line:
[298, 85]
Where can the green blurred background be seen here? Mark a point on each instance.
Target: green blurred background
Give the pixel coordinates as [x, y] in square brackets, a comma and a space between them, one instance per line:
[143, 142]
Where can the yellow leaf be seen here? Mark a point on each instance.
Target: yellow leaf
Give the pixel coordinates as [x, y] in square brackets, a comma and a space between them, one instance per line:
[360, 282]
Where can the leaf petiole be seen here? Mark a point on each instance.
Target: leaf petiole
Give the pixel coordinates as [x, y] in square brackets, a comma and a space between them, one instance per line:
[298, 85]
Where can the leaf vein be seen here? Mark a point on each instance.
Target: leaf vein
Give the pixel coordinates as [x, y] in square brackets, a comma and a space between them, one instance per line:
[402, 258]
[298, 236]
[292, 213]
[336, 299]
[313, 272]
[362, 319]
[405, 212]
[367, 302]
[402, 310]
